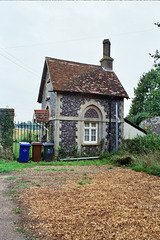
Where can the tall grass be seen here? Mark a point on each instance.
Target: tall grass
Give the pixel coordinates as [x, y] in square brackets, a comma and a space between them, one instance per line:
[143, 144]
[146, 152]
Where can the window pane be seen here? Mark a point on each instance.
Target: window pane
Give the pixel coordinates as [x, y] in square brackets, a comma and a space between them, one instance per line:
[93, 135]
[86, 124]
[48, 89]
[86, 135]
[93, 124]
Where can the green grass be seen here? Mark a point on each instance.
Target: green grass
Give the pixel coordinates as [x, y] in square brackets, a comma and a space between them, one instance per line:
[9, 166]
[110, 167]
[37, 185]
[20, 229]
[10, 178]
[84, 178]
[21, 186]
[16, 195]
[24, 181]
[81, 183]
[52, 169]
[17, 211]
[11, 191]
[148, 160]
[84, 183]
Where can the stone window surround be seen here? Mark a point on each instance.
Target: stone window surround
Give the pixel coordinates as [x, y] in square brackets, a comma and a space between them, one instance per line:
[100, 122]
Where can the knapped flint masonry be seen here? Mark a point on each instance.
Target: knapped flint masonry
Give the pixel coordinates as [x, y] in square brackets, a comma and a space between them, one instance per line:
[81, 100]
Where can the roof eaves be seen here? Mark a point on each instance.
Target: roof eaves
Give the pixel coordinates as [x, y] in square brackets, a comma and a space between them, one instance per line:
[42, 83]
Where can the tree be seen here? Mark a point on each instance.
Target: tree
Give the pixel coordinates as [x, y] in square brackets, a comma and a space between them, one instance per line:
[156, 56]
[147, 95]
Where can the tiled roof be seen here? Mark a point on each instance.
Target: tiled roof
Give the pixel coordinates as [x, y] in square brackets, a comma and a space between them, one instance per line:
[83, 78]
[41, 115]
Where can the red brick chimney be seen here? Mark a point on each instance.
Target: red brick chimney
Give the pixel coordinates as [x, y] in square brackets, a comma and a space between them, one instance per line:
[106, 61]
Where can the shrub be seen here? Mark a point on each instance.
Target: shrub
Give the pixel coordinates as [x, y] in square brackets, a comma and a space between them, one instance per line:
[61, 152]
[137, 119]
[143, 144]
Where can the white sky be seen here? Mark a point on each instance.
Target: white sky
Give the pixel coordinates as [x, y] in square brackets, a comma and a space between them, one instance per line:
[73, 30]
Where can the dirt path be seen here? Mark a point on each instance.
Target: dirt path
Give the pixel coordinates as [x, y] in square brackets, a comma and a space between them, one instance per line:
[82, 202]
[7, 216]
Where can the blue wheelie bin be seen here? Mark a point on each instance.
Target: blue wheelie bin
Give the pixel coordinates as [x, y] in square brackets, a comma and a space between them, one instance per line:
[24, 152]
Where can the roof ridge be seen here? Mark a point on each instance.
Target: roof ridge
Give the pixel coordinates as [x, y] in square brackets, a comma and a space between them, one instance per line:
[69, 61]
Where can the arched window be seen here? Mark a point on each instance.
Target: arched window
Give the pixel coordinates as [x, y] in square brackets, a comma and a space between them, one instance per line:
[91, 125]
[91, 113]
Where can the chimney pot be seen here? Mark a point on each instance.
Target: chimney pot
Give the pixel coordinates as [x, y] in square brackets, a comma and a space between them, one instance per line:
[106, 48]
[106, 61]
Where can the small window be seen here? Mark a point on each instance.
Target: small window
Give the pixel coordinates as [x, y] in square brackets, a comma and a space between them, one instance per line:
[48, 89]
[90, 132]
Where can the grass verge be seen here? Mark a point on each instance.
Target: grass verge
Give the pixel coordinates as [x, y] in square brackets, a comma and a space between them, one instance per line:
[9, 166]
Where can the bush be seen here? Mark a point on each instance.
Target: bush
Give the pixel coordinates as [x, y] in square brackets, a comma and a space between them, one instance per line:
[143, 144]
[137, 119]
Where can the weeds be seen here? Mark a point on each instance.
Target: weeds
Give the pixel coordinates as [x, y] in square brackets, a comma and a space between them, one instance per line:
[37, 185]
[81, 183]
[10, 178]
[84, 178]
[17, 211]
[110, 167]
[16, 195]
[21, 186]
[11, 192]
[20, 229]
[61, 179]
[52, 169]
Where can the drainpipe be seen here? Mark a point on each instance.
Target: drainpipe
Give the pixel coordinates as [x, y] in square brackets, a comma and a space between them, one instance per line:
[109, 131]
[116, 126]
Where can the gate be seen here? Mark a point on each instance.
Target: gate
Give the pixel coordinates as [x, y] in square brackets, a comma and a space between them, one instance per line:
[25, 132]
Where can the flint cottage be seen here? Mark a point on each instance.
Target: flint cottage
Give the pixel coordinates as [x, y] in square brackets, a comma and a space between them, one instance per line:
[82, 105]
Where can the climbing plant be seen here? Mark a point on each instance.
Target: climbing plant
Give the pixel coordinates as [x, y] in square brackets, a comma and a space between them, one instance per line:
[6, 129]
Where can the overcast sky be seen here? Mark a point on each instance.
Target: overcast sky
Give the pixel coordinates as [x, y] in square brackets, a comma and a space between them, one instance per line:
[73, 30]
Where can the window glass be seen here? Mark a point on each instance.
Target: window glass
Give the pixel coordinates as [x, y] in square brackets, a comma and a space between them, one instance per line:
[86, 134]
[48, 89]
[90, 132]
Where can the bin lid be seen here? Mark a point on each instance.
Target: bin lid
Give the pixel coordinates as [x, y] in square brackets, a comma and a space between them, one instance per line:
[48, 144]
[37, 144]
[26, 144]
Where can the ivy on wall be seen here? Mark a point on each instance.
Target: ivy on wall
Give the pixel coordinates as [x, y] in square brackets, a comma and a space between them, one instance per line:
[6, 128]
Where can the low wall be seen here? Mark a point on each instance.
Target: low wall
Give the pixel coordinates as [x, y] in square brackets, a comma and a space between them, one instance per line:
[152, 124]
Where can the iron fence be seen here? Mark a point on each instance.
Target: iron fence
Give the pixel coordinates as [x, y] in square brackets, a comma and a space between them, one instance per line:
[25, 132]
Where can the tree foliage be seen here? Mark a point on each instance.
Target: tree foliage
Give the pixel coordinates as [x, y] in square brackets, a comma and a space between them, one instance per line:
[156, 56]
[146, 102]
[6, 129]
[147, 95]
